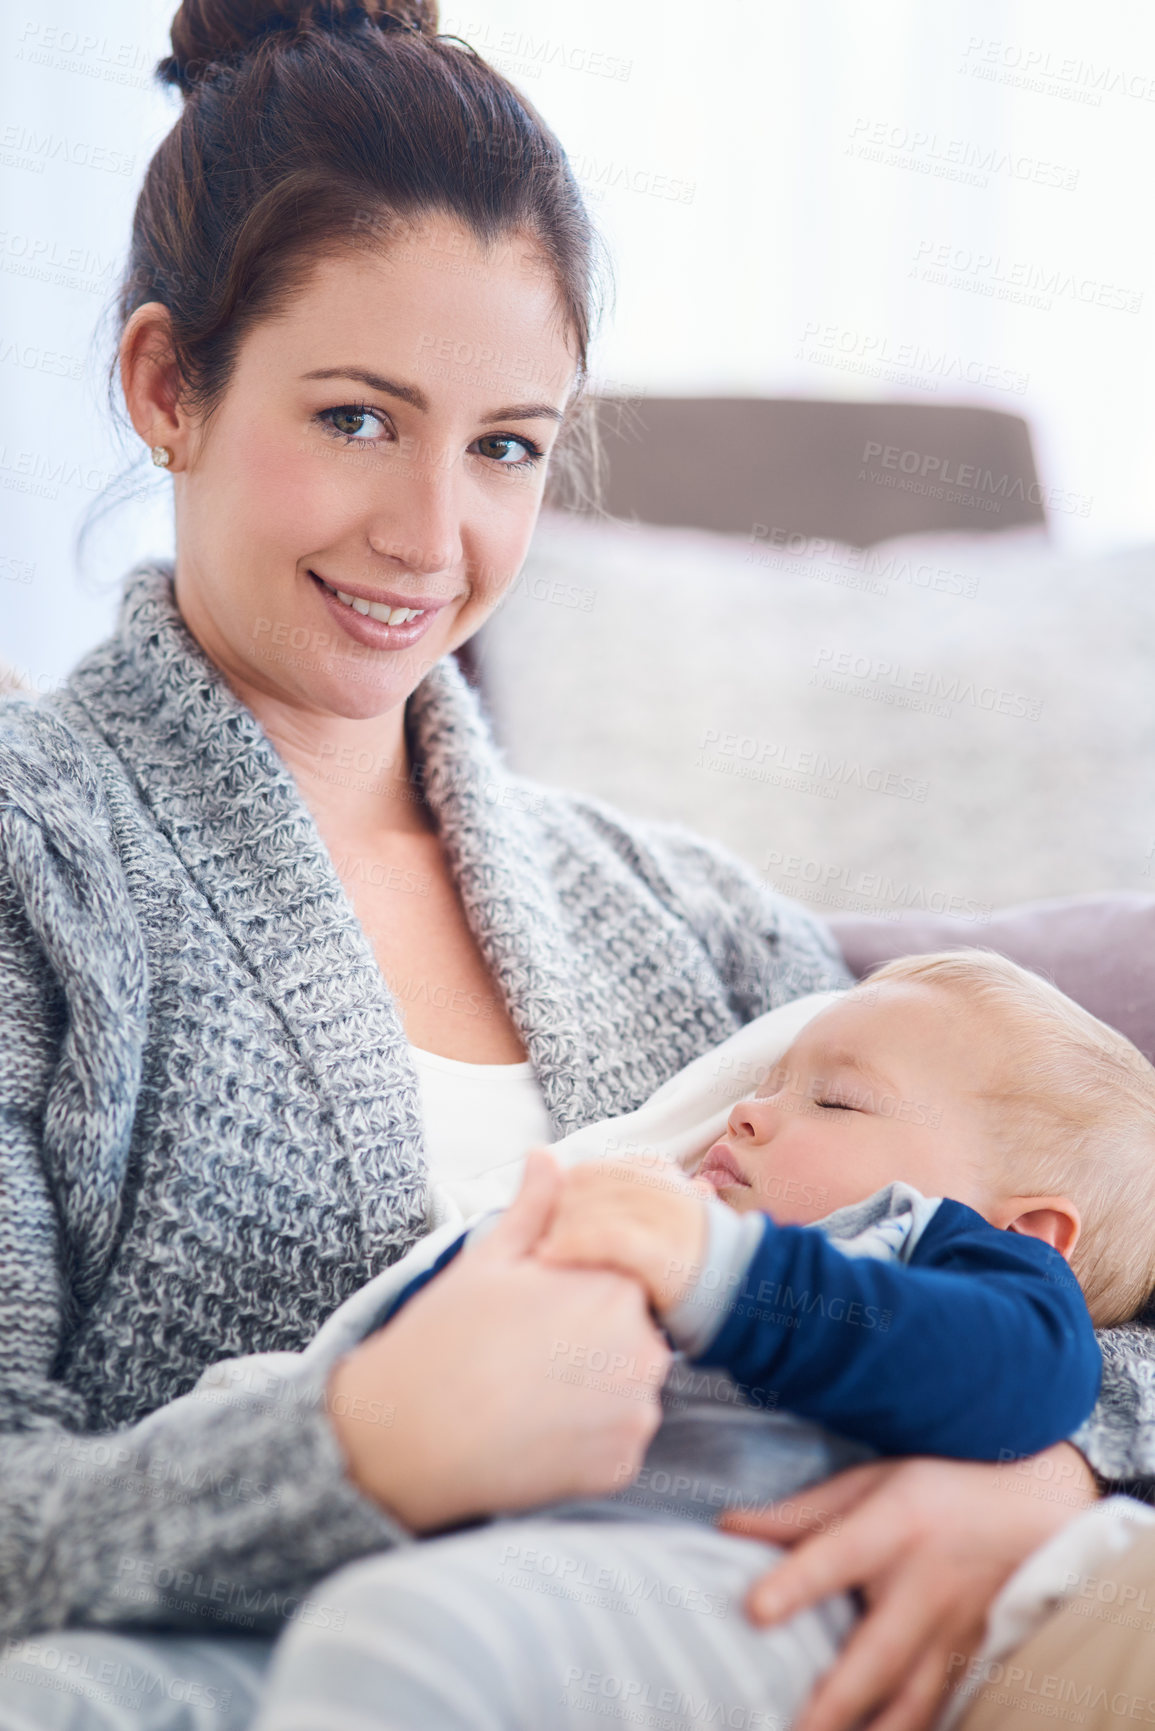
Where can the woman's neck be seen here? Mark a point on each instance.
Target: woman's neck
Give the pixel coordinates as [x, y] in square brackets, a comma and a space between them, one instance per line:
[354, 775]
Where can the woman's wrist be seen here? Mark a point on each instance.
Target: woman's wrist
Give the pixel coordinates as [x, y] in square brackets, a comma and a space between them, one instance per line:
[357, 1422]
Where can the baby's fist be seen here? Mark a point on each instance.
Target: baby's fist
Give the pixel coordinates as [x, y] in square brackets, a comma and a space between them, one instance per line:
[643, 1217]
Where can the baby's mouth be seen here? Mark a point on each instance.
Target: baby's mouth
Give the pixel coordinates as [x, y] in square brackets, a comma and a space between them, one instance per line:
[720, 1169]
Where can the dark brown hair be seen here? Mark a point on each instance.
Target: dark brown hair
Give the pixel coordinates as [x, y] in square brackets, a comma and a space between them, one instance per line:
[309, 125]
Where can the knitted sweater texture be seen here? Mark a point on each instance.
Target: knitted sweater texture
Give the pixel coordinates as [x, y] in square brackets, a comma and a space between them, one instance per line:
[209, 1127]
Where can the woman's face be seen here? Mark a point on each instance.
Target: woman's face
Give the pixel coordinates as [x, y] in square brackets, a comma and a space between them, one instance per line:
[382, 442]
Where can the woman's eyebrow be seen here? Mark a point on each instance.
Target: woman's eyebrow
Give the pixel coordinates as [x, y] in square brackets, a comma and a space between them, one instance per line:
[526, 412]
[418, 400]
[375, 382]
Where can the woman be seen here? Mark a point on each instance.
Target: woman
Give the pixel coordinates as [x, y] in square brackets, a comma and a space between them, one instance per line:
[275, 925]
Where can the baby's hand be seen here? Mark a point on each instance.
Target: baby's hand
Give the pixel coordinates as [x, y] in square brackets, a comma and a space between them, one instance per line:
[642, 1217]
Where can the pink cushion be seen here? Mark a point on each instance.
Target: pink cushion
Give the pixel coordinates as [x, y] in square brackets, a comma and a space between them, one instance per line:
[1099, 949]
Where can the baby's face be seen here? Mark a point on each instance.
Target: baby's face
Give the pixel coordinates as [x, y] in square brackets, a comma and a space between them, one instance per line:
[884, 1085]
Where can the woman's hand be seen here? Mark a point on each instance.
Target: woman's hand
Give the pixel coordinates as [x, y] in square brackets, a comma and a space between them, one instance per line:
[928, 1543]
[642, 1217]
[504, 1383]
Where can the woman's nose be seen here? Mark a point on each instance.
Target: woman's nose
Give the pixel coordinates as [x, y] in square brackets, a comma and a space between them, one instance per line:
[420, 526]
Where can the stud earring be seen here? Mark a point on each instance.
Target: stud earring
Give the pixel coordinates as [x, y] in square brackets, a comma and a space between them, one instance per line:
[161, 456]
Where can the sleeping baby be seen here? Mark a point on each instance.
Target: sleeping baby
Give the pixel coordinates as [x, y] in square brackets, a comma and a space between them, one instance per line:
[900, 1243]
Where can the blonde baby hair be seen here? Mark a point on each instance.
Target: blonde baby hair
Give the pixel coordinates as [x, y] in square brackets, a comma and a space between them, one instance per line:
[1074, 1111]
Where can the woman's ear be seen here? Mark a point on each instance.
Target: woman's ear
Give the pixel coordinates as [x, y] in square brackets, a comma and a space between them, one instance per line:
[150, 379]
[1054, 1219]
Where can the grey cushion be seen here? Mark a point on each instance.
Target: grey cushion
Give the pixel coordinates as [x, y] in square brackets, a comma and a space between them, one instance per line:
[695, 677]
[1099, 949]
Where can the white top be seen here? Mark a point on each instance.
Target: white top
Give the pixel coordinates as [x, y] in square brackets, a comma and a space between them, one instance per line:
[480, 1122]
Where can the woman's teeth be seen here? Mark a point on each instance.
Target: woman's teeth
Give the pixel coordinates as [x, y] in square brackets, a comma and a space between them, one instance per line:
[376, 609]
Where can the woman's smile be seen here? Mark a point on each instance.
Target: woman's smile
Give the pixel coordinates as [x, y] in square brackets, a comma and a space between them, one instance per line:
[379, 618]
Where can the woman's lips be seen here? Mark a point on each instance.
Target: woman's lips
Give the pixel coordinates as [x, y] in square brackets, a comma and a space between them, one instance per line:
[720, 1168]
[374, 633]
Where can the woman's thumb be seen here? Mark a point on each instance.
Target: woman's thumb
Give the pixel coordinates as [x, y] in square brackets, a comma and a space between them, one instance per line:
[528, 1215]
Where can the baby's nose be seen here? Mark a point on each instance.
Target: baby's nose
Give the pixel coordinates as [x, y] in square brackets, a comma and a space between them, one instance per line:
[756, 1117]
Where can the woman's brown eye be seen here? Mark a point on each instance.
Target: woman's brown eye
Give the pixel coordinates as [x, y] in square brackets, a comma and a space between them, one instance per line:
[349, 420]
[357, 425]
[511, 453]
[494, 446]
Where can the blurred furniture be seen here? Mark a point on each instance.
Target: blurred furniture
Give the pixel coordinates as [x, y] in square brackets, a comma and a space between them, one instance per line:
[942, 723]
[857, 472]
[780, 471]
[1098, 949]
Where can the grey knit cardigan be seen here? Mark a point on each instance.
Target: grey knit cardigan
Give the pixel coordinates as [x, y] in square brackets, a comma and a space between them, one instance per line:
[209, 1129]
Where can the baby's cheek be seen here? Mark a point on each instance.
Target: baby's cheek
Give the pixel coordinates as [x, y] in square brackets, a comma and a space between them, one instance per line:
[792, 1201]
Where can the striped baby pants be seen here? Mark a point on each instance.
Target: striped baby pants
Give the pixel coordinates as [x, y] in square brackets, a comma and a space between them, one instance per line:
[536, 1624]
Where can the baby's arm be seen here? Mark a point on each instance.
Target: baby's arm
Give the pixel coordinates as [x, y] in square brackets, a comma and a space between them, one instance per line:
[980, 1347]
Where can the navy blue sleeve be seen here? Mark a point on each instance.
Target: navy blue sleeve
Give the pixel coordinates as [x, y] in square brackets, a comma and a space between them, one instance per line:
[980, 1347]
[412, 1287]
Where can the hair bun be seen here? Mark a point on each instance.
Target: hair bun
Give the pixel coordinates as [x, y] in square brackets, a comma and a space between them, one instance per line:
[206, 32]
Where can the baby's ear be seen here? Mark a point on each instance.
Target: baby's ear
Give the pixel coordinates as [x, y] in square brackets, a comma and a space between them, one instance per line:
[1054, 1219]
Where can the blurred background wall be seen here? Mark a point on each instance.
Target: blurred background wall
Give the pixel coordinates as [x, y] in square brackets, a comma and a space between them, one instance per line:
[802, 198]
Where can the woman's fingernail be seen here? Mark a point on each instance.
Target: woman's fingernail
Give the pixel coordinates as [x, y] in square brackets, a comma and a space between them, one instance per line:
[765, 1606]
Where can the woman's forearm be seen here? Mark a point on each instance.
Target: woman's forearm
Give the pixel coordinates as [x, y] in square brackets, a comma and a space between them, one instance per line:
[222, 1507]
